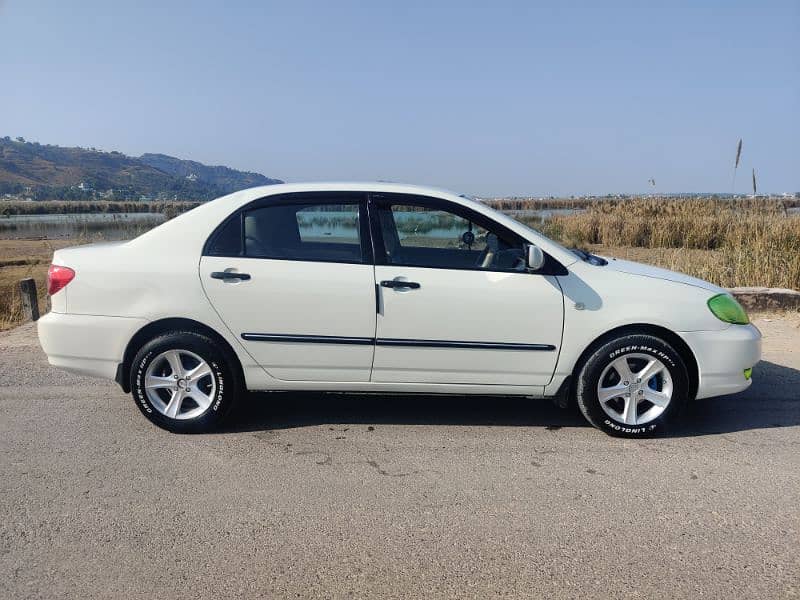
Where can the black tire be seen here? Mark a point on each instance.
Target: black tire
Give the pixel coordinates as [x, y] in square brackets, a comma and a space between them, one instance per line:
[586, 389]
[223, 376]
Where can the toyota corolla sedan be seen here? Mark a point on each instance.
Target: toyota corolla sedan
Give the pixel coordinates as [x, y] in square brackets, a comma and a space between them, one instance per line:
[386, 288]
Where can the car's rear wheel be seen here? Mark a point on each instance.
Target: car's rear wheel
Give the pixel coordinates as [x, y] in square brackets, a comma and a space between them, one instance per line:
[183, 382]
[633, 386]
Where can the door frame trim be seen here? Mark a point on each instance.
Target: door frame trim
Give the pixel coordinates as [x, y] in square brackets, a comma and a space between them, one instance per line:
[460, 344]
[394, 342]
[307, 339]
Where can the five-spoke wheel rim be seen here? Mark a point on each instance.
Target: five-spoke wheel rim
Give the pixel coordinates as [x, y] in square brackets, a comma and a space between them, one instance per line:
[179, 384]
[635, 389]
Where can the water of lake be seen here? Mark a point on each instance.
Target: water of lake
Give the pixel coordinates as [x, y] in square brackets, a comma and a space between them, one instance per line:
[106, 226]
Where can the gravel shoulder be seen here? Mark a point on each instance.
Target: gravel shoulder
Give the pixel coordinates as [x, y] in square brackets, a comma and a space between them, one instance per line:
[315, 495]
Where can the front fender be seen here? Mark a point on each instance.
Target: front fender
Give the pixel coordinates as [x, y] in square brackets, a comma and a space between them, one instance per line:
[597, 301]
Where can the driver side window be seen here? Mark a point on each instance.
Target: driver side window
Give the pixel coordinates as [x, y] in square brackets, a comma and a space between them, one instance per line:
[421, 236]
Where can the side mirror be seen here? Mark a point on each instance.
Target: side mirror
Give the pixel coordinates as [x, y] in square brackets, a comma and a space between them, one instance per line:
[534, 257]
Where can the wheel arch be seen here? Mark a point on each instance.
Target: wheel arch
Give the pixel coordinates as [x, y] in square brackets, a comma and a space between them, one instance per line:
[667, 335]
[161, 326]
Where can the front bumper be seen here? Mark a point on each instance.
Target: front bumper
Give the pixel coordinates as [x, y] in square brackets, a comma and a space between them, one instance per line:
[722, 356]
[87, 344]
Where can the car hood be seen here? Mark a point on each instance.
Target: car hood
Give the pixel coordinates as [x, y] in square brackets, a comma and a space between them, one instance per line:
[634, 268]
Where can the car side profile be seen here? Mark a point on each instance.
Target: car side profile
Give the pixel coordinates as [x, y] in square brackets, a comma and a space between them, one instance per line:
[377, 287]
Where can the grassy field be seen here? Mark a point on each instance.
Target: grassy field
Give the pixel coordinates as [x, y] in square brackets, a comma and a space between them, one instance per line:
[517, 204]
[730, 243]
[171, 208]
[20, 259]
[65, 207]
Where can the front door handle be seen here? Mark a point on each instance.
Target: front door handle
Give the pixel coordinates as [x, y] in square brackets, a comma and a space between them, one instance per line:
[400, 284]
[230, 275]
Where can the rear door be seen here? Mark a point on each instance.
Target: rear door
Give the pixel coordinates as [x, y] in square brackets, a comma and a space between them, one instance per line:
[292, 277]
[456, 304]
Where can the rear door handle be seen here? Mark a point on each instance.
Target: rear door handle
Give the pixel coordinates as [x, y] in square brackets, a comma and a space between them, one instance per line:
[230, 275]
[399, 284]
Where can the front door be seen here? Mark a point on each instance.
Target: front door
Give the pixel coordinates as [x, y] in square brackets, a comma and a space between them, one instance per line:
[293, 279]
[456, 303]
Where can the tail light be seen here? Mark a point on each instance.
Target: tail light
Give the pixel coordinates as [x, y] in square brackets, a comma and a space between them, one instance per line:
[58, 277]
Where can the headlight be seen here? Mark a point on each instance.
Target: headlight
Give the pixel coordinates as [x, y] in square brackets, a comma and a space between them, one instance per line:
[726, 308]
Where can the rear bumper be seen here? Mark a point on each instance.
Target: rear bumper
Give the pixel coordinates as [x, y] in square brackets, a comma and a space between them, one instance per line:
[86, 344]
[722, 356]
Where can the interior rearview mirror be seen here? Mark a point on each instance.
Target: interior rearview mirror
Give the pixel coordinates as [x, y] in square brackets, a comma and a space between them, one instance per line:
[534, 257]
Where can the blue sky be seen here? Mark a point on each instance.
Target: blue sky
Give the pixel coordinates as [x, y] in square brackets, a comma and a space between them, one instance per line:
[492, 98]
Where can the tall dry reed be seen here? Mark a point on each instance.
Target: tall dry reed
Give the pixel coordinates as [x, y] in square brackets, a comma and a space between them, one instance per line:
[756, 242]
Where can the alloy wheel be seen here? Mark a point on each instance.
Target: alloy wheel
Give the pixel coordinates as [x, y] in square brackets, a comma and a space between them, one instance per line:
[635, 388]
[180, 384]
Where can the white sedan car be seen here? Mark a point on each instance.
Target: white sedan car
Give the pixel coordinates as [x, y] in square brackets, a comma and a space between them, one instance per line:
[386, 288]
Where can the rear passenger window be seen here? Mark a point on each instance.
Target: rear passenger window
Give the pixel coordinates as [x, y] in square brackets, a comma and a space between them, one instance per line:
[228, 241]
[313, 232]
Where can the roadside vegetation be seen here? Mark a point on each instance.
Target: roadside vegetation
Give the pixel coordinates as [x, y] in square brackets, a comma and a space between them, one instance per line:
[743, 243]
[65, 207]
[608, 202]
[20, 259]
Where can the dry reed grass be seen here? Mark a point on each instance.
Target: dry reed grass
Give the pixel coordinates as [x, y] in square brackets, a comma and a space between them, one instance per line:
[64, 207]
[10, 298]
[20, 259]
[758, 242]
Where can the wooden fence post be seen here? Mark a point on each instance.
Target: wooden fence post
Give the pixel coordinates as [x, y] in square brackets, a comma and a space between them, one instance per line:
[30, 299]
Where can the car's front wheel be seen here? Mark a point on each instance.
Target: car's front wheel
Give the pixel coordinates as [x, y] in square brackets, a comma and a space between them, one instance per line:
[182, 382]
[633, 386]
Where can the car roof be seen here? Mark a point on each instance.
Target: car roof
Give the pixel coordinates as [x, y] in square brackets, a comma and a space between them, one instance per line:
[345, 186]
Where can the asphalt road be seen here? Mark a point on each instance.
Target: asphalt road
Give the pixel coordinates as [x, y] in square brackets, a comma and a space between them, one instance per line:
[310, 495]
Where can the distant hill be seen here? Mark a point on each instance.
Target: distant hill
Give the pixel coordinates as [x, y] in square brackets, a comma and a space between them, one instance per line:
[30, 169]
